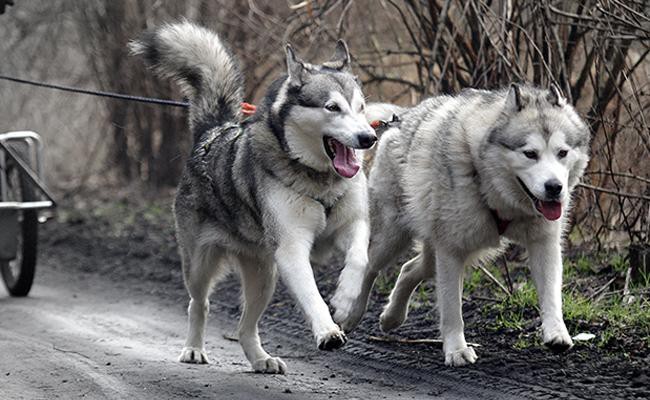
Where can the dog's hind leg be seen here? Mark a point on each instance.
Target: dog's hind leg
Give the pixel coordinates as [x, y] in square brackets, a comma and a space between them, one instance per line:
[350, 300]
[201, 270]
[258, 284]
[356, 264]
[412, 273]
[449, 290]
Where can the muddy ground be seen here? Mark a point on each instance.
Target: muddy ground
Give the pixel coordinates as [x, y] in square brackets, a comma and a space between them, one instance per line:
[129, 249]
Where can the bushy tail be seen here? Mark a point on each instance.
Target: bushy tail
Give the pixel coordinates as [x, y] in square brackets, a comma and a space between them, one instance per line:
[203, 66]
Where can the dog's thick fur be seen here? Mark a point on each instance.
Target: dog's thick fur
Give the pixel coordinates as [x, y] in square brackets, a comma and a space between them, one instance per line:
[264, 194]
[464, 175]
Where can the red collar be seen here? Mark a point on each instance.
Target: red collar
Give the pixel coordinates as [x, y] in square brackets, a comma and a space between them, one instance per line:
[502, 224]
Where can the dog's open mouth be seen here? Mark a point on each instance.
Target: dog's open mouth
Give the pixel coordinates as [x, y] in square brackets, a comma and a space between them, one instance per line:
[344, 160]
[551, 210]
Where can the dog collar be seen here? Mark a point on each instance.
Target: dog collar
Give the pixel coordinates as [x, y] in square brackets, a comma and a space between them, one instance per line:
[502, 224]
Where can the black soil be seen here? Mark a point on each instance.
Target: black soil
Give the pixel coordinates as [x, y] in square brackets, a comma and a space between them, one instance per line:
[128, 242]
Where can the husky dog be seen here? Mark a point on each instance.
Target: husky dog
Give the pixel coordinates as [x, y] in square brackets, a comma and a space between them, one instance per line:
[260, 195]
[463, 175]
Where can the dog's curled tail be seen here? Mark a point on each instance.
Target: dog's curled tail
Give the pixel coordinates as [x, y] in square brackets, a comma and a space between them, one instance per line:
[204, 67]
[382, 111]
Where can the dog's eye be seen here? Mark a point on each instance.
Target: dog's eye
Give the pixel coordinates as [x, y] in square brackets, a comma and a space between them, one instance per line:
[531, 154]
[333, 107]
[362, 108]
[562, 153]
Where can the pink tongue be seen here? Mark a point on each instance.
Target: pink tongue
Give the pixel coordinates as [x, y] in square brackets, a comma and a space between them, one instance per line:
[345, 161]
[551, 210]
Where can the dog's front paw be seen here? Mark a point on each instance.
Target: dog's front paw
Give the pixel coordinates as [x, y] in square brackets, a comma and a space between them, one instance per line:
[460, 357]
[193, 355]
[557, 340]
[331, 340]
[349, 306]
[392, 318]
[271, 365]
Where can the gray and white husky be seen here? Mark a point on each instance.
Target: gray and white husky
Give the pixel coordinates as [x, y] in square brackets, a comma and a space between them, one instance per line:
[463, 175]
[264, 194]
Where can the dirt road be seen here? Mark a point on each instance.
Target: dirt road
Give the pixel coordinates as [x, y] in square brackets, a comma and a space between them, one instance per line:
[83, 336]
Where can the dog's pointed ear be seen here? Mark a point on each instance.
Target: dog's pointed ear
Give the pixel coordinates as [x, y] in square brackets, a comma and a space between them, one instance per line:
[515, 101]
[341, 59]
[295, 67]
[555, 96]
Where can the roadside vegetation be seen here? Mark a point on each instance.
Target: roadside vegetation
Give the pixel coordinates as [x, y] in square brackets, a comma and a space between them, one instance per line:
[596, 302]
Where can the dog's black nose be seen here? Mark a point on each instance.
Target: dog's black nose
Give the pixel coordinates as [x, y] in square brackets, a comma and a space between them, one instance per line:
[366, 140]
[553, 188]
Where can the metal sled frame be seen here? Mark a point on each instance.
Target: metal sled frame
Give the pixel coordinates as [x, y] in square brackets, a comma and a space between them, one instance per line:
[32, 168]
